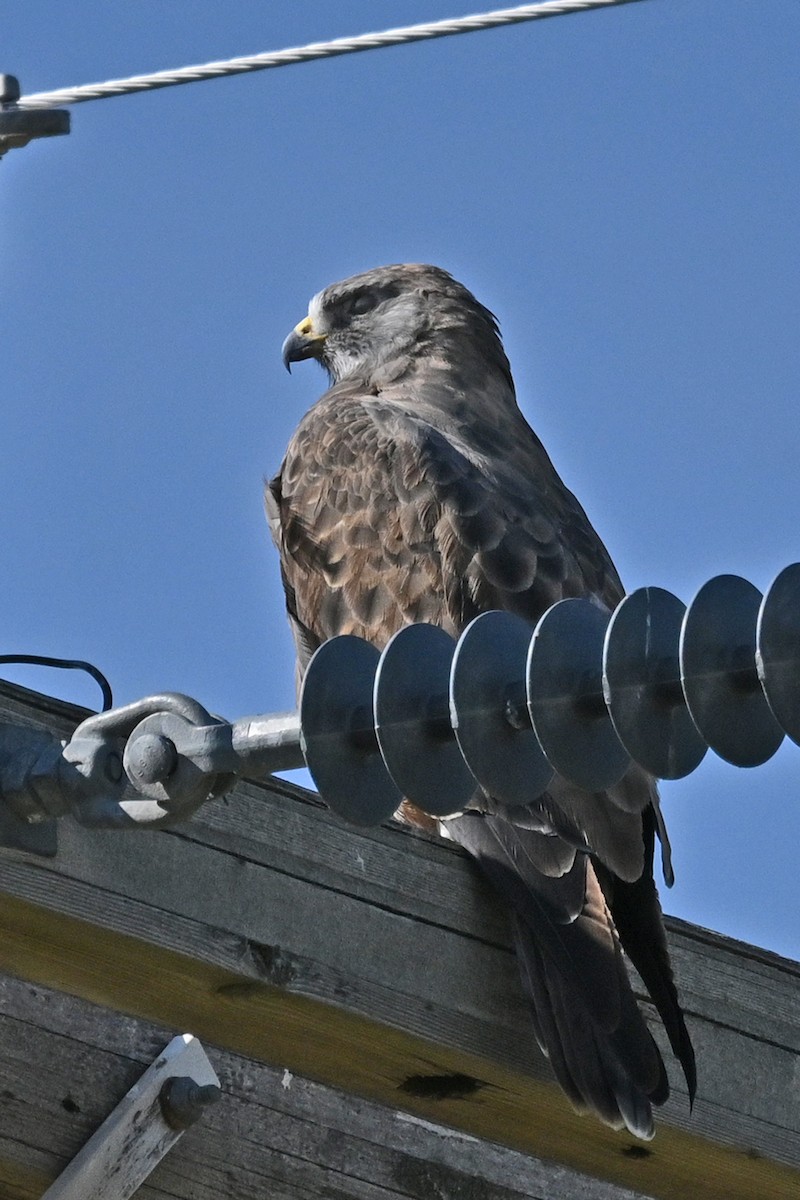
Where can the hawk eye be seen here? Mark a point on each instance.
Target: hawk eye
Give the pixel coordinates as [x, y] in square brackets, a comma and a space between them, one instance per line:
[360, 304]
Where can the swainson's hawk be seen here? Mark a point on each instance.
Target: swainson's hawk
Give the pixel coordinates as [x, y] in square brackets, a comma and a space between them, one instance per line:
[414, 490]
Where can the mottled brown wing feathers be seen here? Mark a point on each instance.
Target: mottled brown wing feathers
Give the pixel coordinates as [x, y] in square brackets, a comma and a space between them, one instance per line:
[382, 520]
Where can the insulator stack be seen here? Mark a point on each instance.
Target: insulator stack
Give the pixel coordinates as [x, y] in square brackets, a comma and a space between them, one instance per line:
[584, 693]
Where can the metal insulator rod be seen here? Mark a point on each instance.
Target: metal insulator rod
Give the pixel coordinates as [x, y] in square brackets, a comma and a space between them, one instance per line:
[585, 693]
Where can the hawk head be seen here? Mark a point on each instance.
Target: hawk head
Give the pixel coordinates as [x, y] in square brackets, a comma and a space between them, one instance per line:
[375, 326]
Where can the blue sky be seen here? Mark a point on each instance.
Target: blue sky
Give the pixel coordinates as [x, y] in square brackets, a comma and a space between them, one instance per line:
[619, 187]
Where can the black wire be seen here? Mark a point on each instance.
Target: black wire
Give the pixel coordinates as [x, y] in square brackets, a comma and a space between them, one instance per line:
[68, 664]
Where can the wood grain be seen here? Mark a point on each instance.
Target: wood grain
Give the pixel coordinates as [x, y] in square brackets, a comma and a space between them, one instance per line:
[273, 1133]
[362, 959]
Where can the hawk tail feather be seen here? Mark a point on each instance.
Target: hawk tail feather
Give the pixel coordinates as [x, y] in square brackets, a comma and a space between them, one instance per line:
[597, 1071]
[636, 911]
[584, 1012]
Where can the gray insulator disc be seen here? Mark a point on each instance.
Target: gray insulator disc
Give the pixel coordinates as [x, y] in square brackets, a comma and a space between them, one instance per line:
[489, 712]
[338, 737]
[718, 667]
[642, 684]
[565, 696]
[412, 720]
[778, 653]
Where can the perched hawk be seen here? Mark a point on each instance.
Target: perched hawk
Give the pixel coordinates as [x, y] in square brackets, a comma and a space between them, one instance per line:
[414, 490]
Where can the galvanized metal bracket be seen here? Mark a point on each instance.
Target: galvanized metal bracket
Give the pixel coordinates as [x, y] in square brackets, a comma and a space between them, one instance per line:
[172, 1095]
[18, 126]
[43, 778]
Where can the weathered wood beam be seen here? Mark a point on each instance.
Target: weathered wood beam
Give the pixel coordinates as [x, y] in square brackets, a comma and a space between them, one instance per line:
[65, 1063]
[373, 960]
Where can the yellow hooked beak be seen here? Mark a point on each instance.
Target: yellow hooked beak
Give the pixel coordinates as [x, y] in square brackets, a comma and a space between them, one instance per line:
[302, 343]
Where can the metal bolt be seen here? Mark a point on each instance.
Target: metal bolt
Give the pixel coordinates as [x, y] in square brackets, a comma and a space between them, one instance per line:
[151, 758]
[183, 1101]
